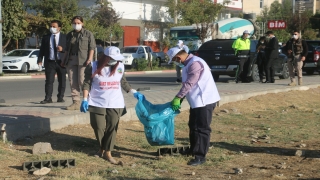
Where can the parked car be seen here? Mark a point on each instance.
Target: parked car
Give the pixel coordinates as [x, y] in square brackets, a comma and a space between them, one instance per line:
[132, 53]
[22, 60]
[220, 57]
[311, 64]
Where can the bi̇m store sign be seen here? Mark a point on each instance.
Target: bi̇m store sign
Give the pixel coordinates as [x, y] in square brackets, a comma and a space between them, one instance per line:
[277, 24]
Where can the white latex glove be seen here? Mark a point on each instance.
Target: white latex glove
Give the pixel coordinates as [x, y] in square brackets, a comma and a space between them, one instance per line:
[133, 91]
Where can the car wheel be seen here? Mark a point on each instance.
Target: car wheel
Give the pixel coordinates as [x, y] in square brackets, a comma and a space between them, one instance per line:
[310, 71]
[215, 77]
[284, 72]
[24, 68]
[255, 73]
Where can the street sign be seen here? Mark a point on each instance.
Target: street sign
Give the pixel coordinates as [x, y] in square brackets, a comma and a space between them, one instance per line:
[277, 24]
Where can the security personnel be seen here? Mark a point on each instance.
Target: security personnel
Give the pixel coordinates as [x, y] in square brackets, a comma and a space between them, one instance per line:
[297, 50]
[202, 94]
[242, 51]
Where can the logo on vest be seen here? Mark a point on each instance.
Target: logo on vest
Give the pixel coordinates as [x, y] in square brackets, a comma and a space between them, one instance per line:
[120, 70]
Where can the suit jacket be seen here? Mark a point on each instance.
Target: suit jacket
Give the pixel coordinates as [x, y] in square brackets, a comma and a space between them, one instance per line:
[45, 47]
[272, 49]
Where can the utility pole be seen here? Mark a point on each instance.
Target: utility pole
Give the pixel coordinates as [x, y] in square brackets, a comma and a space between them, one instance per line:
[0, 39]
[175, 12]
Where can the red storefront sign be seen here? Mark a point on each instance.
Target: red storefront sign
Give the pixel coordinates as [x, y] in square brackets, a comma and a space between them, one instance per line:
[277, 24]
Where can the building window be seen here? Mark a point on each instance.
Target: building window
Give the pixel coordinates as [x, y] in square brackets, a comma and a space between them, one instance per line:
[261, 3]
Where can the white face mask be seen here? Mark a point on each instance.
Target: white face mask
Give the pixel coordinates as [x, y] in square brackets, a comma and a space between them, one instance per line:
[295, 36]
[53, 30]
[77, 27]
[112, 62]
[261, 42]
[178, 64]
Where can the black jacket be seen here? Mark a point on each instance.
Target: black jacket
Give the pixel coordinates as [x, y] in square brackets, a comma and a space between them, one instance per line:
[45, 47]
[272, 48]
[289, 47]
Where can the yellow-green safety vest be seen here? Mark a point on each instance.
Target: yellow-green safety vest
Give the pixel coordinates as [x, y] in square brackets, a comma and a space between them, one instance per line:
[241, 44]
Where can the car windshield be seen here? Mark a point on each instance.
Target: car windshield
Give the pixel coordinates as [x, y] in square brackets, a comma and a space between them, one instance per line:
[185, 35]
[129, 50]
[19, 53]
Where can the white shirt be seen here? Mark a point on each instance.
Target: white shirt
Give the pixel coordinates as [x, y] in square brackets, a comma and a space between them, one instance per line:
[51, 46]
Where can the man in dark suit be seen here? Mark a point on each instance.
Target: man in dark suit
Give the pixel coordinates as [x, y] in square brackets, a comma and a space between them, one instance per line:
[272, 53]
[52, 49]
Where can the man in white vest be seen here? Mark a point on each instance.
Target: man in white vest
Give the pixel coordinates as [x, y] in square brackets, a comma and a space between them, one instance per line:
[202, 94]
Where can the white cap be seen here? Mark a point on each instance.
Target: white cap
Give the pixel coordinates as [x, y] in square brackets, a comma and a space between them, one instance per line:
[180, 43]
[114, 53]
[246, 32]
[172, 52]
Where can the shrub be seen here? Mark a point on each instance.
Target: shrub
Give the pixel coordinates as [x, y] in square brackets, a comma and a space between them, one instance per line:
[141, 64]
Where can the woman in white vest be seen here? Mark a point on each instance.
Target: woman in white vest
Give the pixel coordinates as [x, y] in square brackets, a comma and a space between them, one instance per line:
[103, 98]
[201, 92]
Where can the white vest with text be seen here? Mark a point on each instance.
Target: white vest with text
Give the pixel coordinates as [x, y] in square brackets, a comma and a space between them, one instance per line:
[205, 91]
[106, 91]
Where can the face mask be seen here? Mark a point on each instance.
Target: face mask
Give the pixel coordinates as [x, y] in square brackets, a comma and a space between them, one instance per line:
[77, 27]
[53, 30]
[295, 36]
[112, 62]
[179, 64]
[261, 42]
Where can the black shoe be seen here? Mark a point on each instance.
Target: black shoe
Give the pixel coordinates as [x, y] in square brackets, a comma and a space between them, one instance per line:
[45, 101]
[60, 100]
[186, 153]
[196, 161]
[266, 82]
[178, 81]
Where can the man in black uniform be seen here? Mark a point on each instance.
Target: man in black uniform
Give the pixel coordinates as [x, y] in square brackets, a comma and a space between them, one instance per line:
[272, 53]
[52, 49]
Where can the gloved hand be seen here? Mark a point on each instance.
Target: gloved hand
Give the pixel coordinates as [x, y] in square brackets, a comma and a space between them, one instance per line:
[136, 94]
[176, 103]
[84, 106]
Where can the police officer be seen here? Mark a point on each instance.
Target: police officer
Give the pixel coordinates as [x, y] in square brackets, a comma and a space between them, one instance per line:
[242, 51]
[297, 50]
[201, 92]
[178, 69]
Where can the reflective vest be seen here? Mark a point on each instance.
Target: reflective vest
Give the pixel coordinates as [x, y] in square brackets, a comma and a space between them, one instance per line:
[106, 91]
[241, 44]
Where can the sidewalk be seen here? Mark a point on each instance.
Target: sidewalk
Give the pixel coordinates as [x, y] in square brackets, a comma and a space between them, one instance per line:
[32, 119]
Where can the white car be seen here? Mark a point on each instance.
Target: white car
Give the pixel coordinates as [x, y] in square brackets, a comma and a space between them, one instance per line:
[22, 60]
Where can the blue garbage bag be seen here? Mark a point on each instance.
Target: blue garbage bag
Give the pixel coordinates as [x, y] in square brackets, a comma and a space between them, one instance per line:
[158, 121]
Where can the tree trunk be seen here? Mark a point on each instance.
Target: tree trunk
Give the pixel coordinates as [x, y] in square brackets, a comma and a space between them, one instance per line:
[17, 44]
[6, 44]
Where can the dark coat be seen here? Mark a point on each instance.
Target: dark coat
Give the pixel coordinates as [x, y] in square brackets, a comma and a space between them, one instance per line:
[272, 48]
[45, 47]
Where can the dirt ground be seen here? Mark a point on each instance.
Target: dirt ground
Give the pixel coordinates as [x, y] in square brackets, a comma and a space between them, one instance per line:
[274, 136]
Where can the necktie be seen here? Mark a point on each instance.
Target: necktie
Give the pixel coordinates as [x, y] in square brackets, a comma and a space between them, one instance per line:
[55, 48]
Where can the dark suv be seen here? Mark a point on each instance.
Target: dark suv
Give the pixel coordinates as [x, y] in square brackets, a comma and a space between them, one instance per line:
[220, 57]
[312, 64]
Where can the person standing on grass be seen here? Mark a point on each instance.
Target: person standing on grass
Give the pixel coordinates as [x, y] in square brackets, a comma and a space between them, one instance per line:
[178, 68]
[80, 48]
[103, 98]
[201, 92]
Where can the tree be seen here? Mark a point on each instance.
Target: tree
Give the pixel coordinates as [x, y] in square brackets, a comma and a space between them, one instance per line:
[202, 13]
[13, 21]
[315, 22]
[58, 9]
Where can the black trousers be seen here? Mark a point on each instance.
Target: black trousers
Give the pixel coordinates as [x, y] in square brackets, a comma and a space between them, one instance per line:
[261, 66]
[242, 70]
[51, 69]
[200, 130]
[269, 70]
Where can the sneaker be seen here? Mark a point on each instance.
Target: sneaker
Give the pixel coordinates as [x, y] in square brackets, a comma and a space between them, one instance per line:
[300, 82]
[74, 106]
[292, 84]
[45, 101]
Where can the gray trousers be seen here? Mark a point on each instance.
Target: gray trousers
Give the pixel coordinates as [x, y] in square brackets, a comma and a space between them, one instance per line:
[105, 127]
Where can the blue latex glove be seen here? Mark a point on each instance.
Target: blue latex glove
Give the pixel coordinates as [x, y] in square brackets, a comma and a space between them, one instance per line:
[136, 94]
[84, 106]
